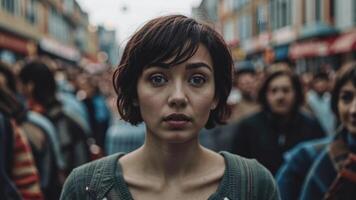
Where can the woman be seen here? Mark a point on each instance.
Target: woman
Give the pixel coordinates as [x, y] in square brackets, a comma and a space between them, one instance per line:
[280, 125]
[323, 169]
[175, 75]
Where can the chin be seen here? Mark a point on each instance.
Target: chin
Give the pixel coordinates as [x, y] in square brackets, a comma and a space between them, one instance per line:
[352, 130]
[178, 136]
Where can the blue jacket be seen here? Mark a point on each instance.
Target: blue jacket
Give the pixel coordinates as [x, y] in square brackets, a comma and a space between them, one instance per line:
[298, 161]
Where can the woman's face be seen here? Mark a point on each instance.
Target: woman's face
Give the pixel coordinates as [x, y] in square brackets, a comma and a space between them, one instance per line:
[347, 107]
[281, 95]
[175, 102]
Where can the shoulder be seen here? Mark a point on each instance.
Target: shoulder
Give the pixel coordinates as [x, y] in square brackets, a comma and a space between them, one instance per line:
[309, 149]
[253, 179]
[96, 177]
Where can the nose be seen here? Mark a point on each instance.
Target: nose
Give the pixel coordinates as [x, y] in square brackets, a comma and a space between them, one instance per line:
[280, 94]
[353, 107]
[177, 98]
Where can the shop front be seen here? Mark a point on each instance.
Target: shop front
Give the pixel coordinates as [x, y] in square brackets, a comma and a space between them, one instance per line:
[345, 46]
[255, 49]
[60, 51]
[14, 48]
[281, 40]
[314, 55]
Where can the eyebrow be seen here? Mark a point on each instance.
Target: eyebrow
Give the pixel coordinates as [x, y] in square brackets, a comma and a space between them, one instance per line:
[194, 65]
[198, 65]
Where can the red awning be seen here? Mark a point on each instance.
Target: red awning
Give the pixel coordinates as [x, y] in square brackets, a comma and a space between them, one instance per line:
[16, 44]
[312, 48]
[345, 43]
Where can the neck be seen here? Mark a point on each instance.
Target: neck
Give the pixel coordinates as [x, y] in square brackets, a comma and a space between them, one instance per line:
[170, 160]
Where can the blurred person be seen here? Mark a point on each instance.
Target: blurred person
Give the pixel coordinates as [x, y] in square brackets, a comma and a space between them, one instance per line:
[246, 83]
[98, 111]
[280, 125]
[19, 177]
[323, 169]
[124, 137]
[175, 75]
[40, 88]
[319, 102]
[40, 133]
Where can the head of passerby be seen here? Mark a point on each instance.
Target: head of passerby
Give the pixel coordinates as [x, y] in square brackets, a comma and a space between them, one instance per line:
[321, 83]
[281, 93]
[343, 100]
[175, 76]
[38, 84]
[10, 104]
[332, 157]
[246, 81]
[339, 161]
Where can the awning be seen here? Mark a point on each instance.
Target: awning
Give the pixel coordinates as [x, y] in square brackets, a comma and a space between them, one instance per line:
[17, 44]
[317, 29]
[311, 48]
[345, 43]
[60, 50]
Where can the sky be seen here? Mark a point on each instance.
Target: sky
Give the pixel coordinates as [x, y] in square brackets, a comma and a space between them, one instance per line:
[126, 16]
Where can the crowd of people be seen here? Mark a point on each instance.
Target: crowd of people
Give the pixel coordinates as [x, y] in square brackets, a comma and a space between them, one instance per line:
[55, 117]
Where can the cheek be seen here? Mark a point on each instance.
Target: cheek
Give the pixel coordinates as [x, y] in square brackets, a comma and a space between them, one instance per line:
[203, 103]
[269, 98]
[291, 98]
[342, 111]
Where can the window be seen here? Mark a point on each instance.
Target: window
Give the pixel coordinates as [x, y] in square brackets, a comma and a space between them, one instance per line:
[245, 28]
[229, 30]
[354, 10]
[9, 6]
[281, 15]
[31, 11]
[261, 19]
[318, 10]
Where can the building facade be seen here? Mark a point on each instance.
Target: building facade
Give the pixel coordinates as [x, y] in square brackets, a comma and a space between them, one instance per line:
[311, 35]
[56, 28]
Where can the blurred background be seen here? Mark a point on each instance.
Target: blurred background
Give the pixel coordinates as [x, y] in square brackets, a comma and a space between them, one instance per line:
[57, 59]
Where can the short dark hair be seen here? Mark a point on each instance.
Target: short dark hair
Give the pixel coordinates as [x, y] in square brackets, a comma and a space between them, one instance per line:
[175, 38]
[42, 77]
[296, 84]
[343, 76]
[321, 76]
[10, 77]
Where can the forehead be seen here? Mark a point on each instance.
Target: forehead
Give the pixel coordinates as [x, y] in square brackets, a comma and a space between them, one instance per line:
[280, 81]
[348, 86]
[202, 55]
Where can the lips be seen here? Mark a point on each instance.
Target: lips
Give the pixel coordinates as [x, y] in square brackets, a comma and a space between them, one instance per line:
[177, 121]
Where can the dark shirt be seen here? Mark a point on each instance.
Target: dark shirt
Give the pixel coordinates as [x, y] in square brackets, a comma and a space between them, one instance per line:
[266, 137]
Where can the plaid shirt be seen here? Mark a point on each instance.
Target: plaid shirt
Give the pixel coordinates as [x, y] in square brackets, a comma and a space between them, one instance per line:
[298, 161]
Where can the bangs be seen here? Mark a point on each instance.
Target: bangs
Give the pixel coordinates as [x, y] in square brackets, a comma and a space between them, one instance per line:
[172, 43]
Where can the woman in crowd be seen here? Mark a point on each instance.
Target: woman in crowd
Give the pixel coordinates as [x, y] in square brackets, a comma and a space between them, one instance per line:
[326, 168]
[280, 125]
[175, 75]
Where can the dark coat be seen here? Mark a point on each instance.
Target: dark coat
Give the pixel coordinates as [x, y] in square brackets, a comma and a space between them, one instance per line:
[264, 137]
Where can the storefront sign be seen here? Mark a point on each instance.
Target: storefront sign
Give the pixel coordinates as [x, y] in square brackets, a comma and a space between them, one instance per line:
[313, 48]
[257, 44]
[345, 43]
[284, 36]
[61, 50]
[16, 44]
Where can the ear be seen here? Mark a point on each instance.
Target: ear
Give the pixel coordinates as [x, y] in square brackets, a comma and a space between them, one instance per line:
[214, 103]
[30, 87]
[135, 103]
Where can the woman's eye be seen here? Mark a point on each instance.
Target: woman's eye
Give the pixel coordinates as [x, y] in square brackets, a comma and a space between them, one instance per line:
[158, 80]
[346, 97]
[197, 80]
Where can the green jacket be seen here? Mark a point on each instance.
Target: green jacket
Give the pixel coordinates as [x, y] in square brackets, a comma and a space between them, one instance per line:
[244, 179]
